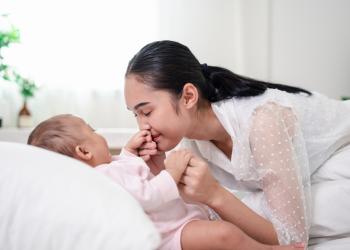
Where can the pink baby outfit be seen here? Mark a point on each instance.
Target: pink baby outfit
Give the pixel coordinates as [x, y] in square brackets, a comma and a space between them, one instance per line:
[158, 196]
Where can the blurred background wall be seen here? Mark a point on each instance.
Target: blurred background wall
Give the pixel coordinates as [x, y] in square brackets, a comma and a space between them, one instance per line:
[78, 50]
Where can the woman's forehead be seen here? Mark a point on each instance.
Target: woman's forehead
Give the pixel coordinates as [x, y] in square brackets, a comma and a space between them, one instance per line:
[135, 86]
[138, 92]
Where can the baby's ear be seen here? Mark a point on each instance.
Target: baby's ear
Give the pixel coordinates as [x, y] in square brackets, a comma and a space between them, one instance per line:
[82, 153]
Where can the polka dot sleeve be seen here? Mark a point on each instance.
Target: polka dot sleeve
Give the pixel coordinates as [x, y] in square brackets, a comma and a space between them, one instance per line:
[278, 151]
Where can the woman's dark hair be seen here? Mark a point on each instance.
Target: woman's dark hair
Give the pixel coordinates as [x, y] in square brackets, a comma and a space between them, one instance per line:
[169, 65]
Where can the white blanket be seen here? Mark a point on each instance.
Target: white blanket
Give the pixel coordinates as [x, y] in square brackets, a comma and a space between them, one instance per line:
[52, 202]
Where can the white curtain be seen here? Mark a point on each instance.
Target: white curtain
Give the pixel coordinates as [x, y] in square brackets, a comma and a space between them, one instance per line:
[77, 52]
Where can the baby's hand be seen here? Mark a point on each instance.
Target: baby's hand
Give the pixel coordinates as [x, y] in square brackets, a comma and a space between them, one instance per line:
[176, 163]
[137, 141]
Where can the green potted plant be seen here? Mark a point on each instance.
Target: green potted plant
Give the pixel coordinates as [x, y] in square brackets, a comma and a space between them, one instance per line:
[27, 88]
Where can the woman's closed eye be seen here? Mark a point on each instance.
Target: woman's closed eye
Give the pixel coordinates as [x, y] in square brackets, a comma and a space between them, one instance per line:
[146, 113]
[143, 113]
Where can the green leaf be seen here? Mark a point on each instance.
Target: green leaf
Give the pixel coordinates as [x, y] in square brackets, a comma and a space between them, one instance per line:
[8, 37]
[27, 88]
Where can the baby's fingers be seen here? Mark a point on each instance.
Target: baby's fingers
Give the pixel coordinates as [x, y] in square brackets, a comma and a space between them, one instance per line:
[146, 157]
[143, 152]
[148, 145]
[138, 140]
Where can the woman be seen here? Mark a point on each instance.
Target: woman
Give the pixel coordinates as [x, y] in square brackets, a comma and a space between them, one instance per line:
[263, 138]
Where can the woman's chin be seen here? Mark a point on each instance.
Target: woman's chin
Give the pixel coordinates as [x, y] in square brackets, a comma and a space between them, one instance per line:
[165, 146]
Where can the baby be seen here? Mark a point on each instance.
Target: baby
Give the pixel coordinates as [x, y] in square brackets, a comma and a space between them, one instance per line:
[158, 194]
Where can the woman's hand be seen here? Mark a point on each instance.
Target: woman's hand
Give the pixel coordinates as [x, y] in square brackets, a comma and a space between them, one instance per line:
[197, 184]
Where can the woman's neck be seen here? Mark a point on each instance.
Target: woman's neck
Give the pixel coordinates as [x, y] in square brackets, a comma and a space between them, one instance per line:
[207, 127]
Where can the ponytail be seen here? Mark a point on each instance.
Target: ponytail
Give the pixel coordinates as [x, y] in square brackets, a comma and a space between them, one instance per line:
[226, 84]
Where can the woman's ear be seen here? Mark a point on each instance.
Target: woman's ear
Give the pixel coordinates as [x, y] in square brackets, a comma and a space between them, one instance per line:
[189, 95]
[82, 153]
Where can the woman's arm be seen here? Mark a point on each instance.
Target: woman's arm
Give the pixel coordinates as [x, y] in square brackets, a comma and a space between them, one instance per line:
[197, 184]
[280, 157]
[231, 209]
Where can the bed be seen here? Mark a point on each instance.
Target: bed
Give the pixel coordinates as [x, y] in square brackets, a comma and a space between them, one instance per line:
[50, 201]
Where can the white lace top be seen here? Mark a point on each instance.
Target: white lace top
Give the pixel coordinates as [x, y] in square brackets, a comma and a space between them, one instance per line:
[279, 140]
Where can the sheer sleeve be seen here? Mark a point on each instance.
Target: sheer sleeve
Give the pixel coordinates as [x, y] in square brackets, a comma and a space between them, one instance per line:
[280, 156]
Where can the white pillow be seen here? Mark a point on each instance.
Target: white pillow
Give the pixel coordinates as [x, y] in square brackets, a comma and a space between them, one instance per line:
[49, 201]
[331, 199]
[339, 244]
[330, 211]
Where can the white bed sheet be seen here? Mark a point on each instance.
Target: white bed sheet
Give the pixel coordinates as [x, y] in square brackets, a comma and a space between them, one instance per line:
[339, 244]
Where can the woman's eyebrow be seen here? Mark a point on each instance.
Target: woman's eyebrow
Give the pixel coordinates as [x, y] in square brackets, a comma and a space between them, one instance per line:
[140, 105]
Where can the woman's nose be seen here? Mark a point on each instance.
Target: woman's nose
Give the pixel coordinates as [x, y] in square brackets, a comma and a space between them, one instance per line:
[143, 124]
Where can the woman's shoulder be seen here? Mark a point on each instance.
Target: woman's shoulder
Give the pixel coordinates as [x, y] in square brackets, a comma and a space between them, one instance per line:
[241, 109]
[274, 100]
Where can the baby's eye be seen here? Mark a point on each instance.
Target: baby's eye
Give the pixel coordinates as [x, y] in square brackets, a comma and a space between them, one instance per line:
[147, 114]
[135, 114]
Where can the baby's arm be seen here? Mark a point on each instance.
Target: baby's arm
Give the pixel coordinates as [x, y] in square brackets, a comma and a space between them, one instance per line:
[176, 163]
[134, 175]
[162, 188]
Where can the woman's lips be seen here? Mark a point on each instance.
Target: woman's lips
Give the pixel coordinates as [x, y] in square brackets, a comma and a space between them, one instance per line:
[156, 138]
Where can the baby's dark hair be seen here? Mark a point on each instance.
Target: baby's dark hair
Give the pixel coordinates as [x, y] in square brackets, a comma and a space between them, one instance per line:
[55, 134]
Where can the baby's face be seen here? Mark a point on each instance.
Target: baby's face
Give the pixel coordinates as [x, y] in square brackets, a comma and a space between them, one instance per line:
[95, 143]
